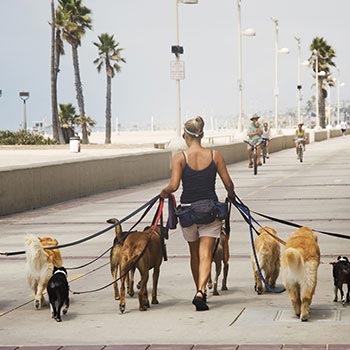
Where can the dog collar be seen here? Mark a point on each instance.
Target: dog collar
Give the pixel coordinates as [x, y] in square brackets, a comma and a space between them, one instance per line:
[60, 271]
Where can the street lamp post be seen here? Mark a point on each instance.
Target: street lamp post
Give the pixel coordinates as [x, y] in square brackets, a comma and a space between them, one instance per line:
[178, 50]
[24, 95]
[277, 52]
[299, 86]
[247, 32]
[339, 84]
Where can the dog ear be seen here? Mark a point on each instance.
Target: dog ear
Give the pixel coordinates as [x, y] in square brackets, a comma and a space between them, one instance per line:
[55, 268]
[112, 220]
[339, 257]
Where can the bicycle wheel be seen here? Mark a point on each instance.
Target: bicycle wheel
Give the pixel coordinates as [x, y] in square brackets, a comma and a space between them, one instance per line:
[300, 153]
[255, 161]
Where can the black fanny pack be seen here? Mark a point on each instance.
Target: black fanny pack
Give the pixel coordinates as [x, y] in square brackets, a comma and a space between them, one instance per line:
[201, 212]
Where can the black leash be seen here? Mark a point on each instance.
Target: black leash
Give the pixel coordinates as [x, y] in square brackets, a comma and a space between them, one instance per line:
[149, 204]
[240, 205]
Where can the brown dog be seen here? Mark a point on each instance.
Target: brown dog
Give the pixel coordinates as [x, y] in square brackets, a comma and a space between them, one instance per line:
[300, 261]
[221, 256]
[143, 250]
[40, 263]
[114, 259]
[268, 253]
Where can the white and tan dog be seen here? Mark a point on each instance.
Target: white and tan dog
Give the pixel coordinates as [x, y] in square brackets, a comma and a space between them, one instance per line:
[300, 261]
[40, 263]
[268, 253]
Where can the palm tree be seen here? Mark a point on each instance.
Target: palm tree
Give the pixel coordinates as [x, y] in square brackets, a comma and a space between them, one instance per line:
[68, 120]
[87, 121]
[325, 55]
[109, 55]
[56, 51]
[74, 20]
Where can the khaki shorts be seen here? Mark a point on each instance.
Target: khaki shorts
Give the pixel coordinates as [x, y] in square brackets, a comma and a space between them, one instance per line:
[194, 232]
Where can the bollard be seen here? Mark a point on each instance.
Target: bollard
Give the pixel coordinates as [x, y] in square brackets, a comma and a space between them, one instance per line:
[74, 144]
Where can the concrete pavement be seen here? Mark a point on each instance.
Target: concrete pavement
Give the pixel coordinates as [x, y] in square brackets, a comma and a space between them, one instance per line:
[315, 193]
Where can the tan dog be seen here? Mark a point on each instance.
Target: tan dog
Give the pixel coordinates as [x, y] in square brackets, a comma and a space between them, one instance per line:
[143, 250]
[221, 256]
[40, 263]
[114, 259]
[268, 253]
[300, 261]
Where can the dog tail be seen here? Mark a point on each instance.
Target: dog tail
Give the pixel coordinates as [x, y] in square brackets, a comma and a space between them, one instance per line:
[292, 259]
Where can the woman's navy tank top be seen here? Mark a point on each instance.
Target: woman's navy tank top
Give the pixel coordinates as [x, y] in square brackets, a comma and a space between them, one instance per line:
[198, 184]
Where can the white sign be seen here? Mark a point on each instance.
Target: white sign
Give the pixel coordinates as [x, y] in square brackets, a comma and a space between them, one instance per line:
[177, 70]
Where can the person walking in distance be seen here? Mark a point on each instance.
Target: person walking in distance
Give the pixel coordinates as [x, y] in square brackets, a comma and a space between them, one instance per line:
[266, 137]
[254, 137]
[197, 168]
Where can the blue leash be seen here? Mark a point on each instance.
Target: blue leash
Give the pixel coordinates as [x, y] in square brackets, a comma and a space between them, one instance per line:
[245, 212]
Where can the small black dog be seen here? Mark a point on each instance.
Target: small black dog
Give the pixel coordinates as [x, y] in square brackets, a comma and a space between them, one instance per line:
[58, 291]
[341, 275]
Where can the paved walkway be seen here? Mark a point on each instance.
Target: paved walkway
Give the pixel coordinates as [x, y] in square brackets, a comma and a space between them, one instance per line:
[315, 193]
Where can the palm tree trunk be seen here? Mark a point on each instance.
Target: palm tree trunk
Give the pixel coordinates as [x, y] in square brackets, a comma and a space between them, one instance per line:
[79, 92]
[108, 109]
[54, 108]
[321, 105]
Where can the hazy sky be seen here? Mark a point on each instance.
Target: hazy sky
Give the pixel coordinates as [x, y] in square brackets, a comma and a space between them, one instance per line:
[146, 30]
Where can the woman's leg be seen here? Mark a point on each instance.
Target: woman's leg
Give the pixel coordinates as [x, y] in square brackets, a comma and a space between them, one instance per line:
[206, 245]
[194, 260]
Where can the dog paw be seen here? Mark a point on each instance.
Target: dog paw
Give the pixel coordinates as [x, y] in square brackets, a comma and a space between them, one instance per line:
[224, 288]
[155, 301]
[210, 285]
[215, 292]
[37, 304]
[64, 311]
[142, 308]
[58, 319]
[122, 308]
[131, 293]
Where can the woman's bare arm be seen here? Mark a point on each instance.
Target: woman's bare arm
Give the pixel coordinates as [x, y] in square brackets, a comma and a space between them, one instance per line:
[176, 173]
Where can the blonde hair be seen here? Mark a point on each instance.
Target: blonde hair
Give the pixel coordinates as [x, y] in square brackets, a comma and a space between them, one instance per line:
[194, 127]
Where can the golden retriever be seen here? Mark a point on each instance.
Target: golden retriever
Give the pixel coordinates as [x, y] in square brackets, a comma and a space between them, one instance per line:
[40, 263]
[268, 253]
[300, 261]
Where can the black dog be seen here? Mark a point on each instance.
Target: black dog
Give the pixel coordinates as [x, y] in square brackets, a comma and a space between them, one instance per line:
[341, 275]
[58, 291]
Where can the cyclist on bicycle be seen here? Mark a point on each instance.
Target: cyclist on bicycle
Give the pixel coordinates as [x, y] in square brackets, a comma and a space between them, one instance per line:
[254, 137]
[299, 137]
[266, 137]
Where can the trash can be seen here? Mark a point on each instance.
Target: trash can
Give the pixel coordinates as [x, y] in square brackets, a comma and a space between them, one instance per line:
[74, 144]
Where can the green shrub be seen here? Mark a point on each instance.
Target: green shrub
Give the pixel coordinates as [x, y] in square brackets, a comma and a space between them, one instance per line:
[23, 137]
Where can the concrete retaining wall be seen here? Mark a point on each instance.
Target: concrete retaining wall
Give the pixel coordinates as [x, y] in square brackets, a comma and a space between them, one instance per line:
[42, 185]
[321, 135]
[38, 186]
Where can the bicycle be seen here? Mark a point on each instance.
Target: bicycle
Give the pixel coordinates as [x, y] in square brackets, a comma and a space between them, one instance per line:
[263, 149]
[300, 149]
[255, 156]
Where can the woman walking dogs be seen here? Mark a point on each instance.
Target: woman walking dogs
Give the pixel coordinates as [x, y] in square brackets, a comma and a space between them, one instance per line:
[197, 168]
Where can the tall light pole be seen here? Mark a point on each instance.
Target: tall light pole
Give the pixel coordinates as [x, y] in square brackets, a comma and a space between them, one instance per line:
[339, 84]
[24, 95]
[299, 86]
[247, 32]
[277, 52]
[177, 68]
